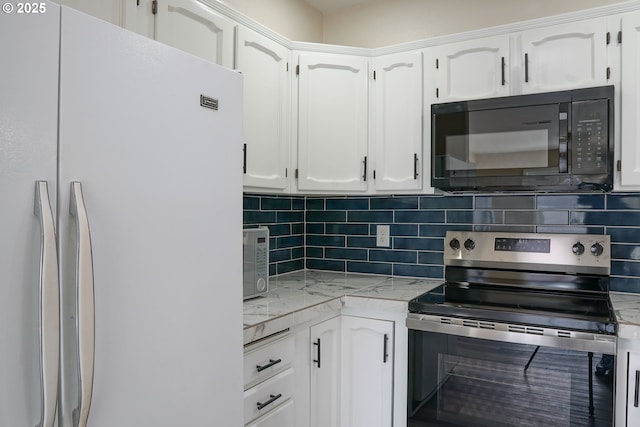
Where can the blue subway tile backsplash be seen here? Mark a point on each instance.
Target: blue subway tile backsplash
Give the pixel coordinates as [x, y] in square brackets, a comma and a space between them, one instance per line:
[338, 233]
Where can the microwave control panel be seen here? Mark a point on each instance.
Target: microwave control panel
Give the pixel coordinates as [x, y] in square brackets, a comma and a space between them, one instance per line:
[256, 262]
[590, 134]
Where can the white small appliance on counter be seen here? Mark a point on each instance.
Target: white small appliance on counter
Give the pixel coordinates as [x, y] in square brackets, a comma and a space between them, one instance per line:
[255, 244]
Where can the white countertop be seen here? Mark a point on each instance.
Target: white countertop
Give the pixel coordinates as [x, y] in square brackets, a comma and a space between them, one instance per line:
[297, 297]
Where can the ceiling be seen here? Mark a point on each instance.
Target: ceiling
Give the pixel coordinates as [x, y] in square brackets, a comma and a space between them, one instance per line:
[331, 5]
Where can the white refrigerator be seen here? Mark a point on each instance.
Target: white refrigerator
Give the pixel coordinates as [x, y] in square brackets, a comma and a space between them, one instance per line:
[120, 292]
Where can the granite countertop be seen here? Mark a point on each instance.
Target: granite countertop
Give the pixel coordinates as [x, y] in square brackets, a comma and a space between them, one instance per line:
[627, 309]
[297, 297]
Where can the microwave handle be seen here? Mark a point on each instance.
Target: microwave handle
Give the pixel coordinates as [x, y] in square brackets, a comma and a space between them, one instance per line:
[564, 137]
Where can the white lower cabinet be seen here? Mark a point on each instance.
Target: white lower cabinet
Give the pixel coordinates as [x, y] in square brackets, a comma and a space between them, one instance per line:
[269, 383]
[351, 372]
[367, 372]
[628, 383]
[324, 383]
[281, 417]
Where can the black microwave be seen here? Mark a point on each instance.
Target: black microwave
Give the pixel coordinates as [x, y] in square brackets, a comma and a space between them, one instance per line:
[556, 141]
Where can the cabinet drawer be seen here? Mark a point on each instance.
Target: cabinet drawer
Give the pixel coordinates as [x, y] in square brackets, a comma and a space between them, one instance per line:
[263, 362]
[283, 416]
[268, 395]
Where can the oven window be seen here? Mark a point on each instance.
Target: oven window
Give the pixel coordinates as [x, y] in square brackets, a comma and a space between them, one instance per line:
[460, 381]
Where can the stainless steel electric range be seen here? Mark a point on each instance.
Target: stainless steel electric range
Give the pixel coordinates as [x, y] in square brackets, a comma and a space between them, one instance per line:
[510, 336]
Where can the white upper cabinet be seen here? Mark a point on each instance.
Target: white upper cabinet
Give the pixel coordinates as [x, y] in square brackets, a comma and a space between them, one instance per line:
[332, 122]
[467, 70]
[397, 121]
[138, 16]
[630, 102]
[195, 28]
[264, 65]
[564, 56]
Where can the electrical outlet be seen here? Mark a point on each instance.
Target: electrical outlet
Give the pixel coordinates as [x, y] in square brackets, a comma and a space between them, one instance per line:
[382, 235]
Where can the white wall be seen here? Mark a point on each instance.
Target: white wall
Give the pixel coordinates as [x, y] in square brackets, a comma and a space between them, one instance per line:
[293, 19]
[386, 22]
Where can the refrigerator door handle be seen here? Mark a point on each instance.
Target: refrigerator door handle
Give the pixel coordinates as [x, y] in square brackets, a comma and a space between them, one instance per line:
[85, 319]
[49, 307]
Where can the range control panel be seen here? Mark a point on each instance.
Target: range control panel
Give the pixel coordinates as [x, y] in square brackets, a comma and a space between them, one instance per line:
[571, 253]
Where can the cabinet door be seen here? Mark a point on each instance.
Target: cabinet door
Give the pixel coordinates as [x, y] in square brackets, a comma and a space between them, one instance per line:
[282, 416]
[193, 27]
[325, 374]
[633, 389]
[137, 16]
[332, 122]
[630, 101]
[564, 56]
[264, 65]
[367, 372]
[397, 113]
[467, 70]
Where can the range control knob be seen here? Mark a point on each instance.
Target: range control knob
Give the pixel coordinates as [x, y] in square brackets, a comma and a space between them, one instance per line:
[469, 244]
[454, 244]
[578, 248]
[597, 249]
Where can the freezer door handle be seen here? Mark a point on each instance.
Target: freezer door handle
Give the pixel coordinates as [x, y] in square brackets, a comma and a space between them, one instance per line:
[49, 307]
[85, 319]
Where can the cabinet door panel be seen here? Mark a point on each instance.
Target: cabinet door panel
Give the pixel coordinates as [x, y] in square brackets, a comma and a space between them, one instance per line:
[325, 374]
[263, 64]
[367, 372]
[468, 70]
[564, 56]
[398, 121]
[630, 101]
[193, 27]
[332, 122]
[633, 389]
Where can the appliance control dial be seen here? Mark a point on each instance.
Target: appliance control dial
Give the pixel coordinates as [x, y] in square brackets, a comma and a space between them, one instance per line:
[454, 244]
[469, 244]
[597, 249]
[578, 248]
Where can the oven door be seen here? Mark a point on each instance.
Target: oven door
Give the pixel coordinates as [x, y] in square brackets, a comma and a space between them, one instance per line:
[468, 381]
[508, 147]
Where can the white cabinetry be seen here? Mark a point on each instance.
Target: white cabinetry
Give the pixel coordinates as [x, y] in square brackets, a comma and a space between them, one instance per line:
[332, 122]
[627, 411]
[467, 70]
[269, 383]
[264, 65]
[325, 374]
[630, 102]
[397, 121]
[565, 56]
[367, 372]
[197, 29]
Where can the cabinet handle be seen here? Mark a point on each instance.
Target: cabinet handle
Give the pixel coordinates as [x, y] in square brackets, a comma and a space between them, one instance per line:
[415, 165]
[526, 68]
[244, 158]
[385, 353]
[503, 80]
[637, 391]
[270, 401]
[268, 365]
[364, 176]
[317, 343]
[49, 310]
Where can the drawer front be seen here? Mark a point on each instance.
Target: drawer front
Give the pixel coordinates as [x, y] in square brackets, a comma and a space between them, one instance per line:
[264, 362]
[268, 395]
[283, 416]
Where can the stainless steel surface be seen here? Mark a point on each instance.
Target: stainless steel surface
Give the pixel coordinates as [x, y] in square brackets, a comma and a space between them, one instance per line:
[478, 249]
[85, 316]
[49, 308]
[535, 335]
